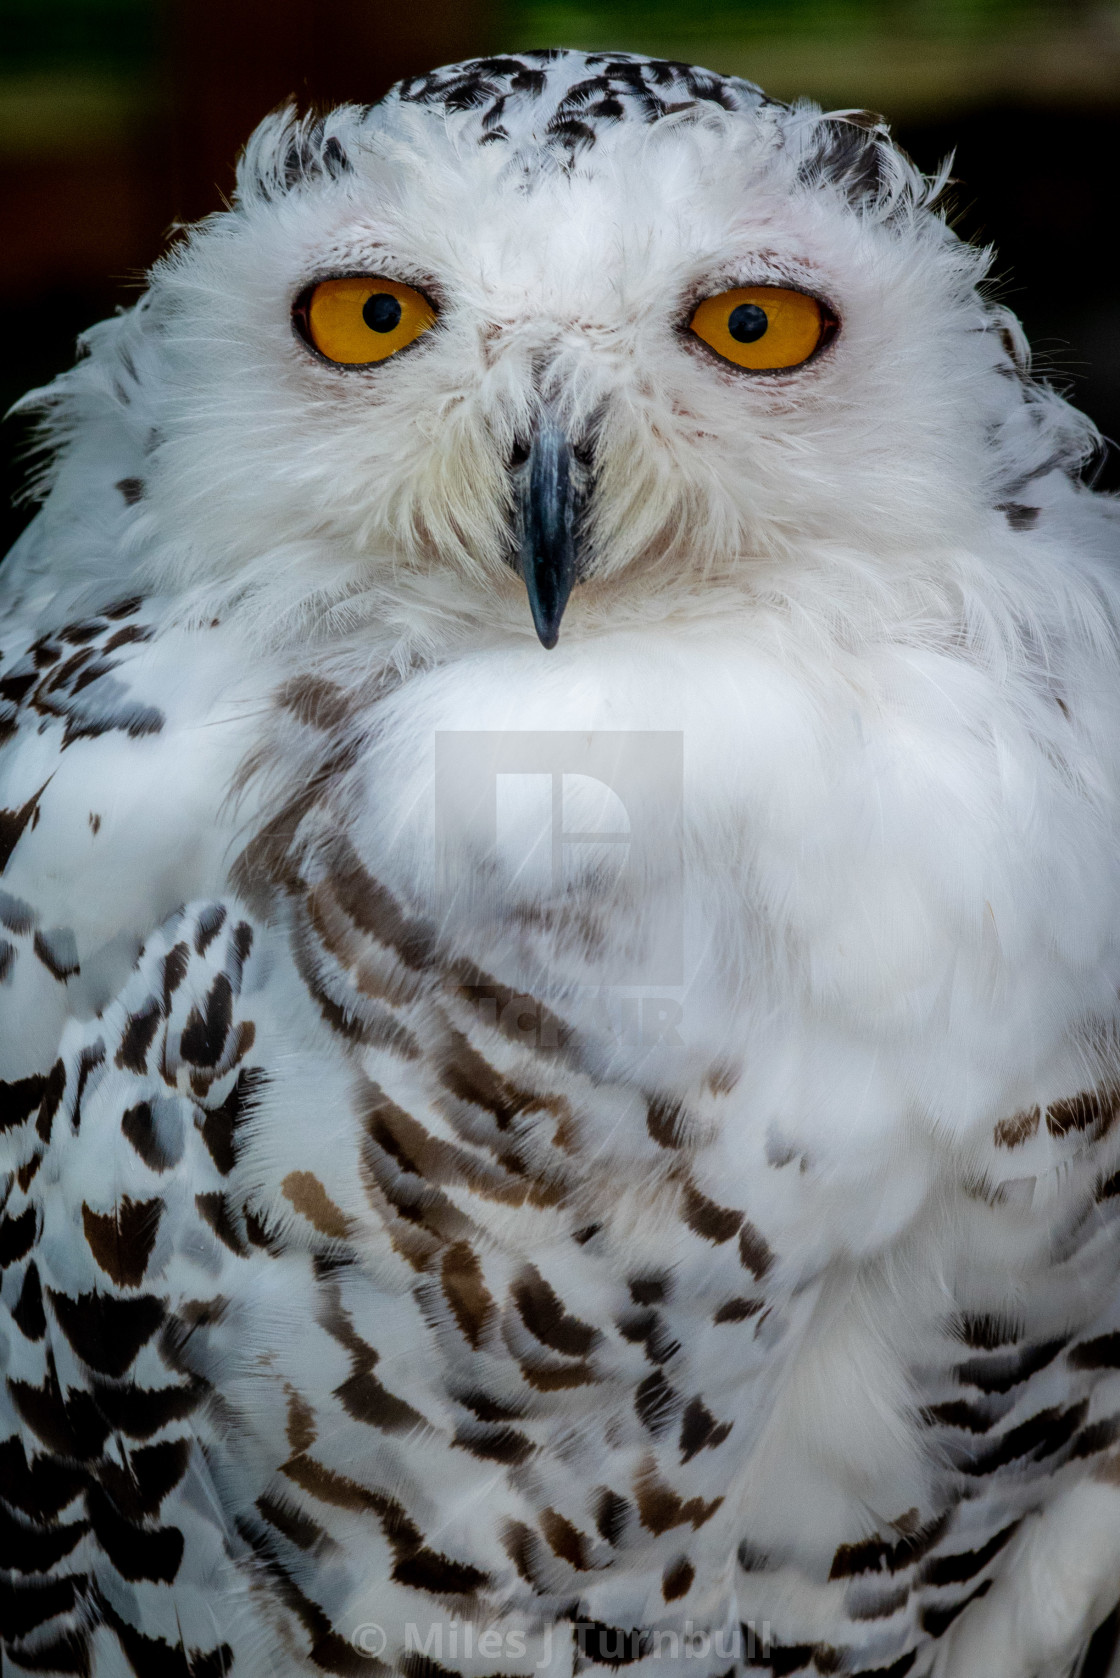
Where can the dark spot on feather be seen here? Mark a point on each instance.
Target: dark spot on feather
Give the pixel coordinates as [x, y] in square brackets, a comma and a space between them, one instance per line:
[1038, 1437]
[845, 155]
[132, 490]
[656, 1403]
[877, 1555]
[610, 1646]
[257, 1232]
[29, 1604]
[139, 1485]
[544, 1315]
[19, 1098]
[551, 1380]
[123, 608]
[737, 1310]
[882, 1605]
[649, 1290]
[525, 1551]
[39, 1489]
[138, 1126]
[986, 1333]
[754, 1252]
[137, 1038]
[471, 1077]
[428, 1570]
[956, 1569]
[70, 1427]
[14, 822]
[137, 1553]
[1018, 516]
[335, 160]
[28, 1315]
[89, 1059]
[1009, 1133]
[938, 1620]
[494, 1444]
[612, 1512]
[666, 1122]
[565, 1539]
[219, 1127]
[107, 1333]
[316, 703]
[215, 1210]
[242, 943]
[1092, 1109]
[204, 1035]
[750, 1559]
[297, 1527]
[466, 1293]
[52, 1096]
[367, 1400]
[1001, 1372]
[142, 1411]
[17, 1237]
[677, 1579]
[660, 1508]
[175, 965]
[210, 923]
[958, 1413]
[121, 1241]
[571, 132]
[489, 1409]
[28, 1170]
[15, 687]
[649, 1329]
[699, 1430]
[1101, 1353]
[77, 634]
[714, 1223]
[1098, 1436]
[45, 652]
[131, 633]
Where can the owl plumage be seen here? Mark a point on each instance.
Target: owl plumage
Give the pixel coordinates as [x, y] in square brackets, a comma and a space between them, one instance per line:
[702, 1262]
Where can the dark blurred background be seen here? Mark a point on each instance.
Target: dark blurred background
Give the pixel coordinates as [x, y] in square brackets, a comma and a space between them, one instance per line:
[121, 118]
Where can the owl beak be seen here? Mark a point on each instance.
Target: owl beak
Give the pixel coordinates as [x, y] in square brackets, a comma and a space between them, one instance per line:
[550, 488]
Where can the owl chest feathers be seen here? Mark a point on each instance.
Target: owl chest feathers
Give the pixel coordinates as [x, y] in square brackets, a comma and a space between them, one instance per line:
[875, 1036]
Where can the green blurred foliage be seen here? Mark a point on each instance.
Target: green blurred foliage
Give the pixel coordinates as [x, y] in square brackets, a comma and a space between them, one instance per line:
[671, 28]
[111, 35]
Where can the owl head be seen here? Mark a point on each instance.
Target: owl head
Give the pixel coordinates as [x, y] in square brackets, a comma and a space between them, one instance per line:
[558, 341]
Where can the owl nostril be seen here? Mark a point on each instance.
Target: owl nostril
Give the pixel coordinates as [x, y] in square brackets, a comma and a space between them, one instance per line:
[519, 454]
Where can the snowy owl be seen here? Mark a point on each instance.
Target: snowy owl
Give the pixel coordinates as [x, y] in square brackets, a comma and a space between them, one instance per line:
[560, 924]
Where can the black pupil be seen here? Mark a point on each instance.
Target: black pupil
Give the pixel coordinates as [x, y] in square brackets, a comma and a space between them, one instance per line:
[382, 312]
[745, 323]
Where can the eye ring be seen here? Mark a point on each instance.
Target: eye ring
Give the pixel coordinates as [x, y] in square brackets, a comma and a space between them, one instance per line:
[357, 321]
[763, 329]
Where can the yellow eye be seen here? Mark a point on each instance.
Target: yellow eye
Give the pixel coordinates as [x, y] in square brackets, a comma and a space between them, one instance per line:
[763, 327]
[357, 321]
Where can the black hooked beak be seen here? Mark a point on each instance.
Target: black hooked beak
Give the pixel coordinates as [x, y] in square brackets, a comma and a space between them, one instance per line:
[550, 486]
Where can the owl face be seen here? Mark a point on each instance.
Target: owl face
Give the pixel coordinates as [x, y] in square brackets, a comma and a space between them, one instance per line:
[569, 338]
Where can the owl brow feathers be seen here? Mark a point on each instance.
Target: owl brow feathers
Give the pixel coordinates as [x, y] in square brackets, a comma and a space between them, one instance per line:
[539, 101]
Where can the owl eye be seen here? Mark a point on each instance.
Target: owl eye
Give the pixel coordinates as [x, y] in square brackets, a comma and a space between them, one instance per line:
[763, 327]
[355, 321]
